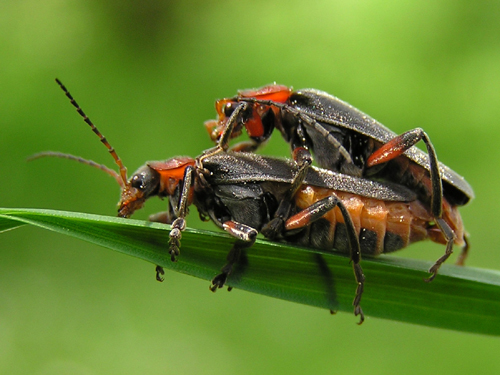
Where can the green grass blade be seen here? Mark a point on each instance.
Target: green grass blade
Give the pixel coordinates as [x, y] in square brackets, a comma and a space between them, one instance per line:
[460, 298]
[6, 225]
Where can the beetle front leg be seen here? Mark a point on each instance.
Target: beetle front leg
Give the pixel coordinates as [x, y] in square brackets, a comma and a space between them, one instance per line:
[175, 235]
[164, 217]
[223, 143]
[179, 224]
[245, 236]
[174, 243]
[400, 144]
[245, 146]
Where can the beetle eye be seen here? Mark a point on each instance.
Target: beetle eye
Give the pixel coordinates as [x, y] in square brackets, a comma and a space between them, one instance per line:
[228, 109]
[146, 180]
[137, 181]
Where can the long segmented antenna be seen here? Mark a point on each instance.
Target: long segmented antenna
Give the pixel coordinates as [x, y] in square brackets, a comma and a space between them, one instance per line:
[123, 171]
[92, 163]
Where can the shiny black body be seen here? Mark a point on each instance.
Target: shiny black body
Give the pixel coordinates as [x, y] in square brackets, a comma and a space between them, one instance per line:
[248, 188]
[244, 193]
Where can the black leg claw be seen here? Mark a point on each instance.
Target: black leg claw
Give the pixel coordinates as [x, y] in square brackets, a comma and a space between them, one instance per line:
[360, 278]
[359, 311]
[431, 277]
[434, 270]
[218, 282]
[159, 272]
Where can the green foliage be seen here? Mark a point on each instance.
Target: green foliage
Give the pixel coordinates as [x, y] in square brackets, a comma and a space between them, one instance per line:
[461, 298]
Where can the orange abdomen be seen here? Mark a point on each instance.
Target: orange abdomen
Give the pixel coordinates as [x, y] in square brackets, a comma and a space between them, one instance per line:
[382, 226]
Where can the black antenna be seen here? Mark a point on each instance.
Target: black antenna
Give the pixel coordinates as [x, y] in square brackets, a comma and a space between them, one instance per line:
[123, 171]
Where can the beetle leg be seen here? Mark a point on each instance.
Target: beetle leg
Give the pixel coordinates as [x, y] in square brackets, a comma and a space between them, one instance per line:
[230, 125]
[223, 143]
[312, 213]
[245, 146]
[450, 237]
[159, 274]
[315, 212]
[165, 217]
[325, 132]
[245, 236]
[179, 224]
[232, 258]
[240, 231]
[400, 144]
[274, 227]
[465, 251]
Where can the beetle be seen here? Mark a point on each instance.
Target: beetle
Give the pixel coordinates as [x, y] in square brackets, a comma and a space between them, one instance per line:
[344, 139]
[245, 193]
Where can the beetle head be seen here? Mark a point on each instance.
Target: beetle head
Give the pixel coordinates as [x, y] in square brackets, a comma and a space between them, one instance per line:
[159, 178]
[154, 178]
[259, 102]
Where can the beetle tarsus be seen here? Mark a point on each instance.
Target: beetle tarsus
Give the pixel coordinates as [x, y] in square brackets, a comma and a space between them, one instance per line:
[174, 244]
[434, 269]
[360, 278]
[450, 237]
[218, 281]
[159, 272]
[178, 226]
[233, 256]
[174, 252]
[359, 311]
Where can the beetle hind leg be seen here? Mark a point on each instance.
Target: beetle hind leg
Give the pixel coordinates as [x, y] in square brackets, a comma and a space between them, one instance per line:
[315, 212]
[464, 253]
[450, 237]
[360, 279]
[400, 144]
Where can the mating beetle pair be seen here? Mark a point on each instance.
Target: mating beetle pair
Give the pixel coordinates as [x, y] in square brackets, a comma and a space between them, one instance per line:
[244, 193]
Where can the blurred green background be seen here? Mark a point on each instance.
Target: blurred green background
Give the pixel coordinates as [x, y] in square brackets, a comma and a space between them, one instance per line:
[148, 73]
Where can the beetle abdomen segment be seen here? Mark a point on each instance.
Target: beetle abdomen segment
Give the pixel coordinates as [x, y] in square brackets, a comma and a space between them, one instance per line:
[382, 226]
